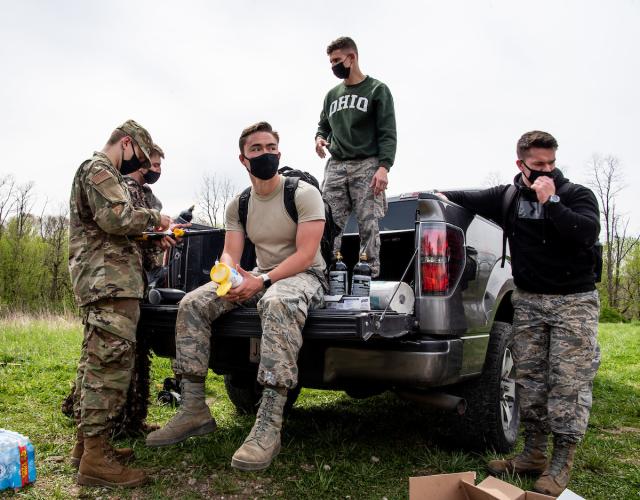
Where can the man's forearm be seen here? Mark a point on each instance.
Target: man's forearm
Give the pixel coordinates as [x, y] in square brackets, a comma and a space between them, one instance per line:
[292, 265]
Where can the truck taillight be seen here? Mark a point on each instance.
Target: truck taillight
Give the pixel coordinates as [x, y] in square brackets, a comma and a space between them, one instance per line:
[441, 258]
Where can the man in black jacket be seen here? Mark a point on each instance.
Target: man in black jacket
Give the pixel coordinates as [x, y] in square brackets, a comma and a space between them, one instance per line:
[552, 226]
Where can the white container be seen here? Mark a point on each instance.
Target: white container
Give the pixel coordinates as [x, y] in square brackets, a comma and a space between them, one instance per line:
[381, 292]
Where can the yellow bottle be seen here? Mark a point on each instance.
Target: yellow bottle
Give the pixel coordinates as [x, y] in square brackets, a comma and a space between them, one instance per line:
[226, 277]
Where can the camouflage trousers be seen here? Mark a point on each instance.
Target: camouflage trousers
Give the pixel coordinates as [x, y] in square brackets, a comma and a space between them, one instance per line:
[106, 363]
[556, 357]
[283, 311]
[347, 187]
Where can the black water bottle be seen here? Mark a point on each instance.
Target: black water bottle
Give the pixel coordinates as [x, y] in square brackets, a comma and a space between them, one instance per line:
[338, 279]
[186, 215]
[361, 277]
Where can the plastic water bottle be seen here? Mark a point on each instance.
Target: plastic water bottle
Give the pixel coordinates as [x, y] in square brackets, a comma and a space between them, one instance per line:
[17, 460]
[226, 277]
[338, 277]
[361, 277]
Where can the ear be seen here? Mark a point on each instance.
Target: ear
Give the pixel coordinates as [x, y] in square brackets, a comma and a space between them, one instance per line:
[520, 165]
[242, 158]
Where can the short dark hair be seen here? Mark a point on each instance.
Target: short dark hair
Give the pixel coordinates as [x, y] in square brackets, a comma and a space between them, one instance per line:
[252, 129]
[344, 42]
[116, 135]
[535, 139]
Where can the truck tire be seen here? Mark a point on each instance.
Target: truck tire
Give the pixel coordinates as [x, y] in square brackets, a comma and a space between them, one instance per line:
[244, 392]
[492, 418]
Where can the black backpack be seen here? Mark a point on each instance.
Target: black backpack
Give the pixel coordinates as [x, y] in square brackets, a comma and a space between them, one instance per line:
[508, 198]
[292, 177]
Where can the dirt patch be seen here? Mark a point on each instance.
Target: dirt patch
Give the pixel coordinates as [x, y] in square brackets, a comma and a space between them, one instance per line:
[622, 430]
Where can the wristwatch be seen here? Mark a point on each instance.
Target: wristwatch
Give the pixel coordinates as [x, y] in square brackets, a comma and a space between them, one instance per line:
[553, 199]
[266, 281]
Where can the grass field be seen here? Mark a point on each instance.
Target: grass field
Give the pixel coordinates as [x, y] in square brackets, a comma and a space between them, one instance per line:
[333, 446]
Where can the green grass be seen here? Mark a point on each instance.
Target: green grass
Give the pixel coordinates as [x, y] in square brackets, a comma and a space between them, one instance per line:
[333, 446]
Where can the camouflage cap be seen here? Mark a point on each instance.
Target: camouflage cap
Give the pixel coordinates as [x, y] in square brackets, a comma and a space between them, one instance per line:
[158, 150]
[139, 134]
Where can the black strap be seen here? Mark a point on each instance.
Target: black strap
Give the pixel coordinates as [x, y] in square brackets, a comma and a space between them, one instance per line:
[507, 200]
[243, 207]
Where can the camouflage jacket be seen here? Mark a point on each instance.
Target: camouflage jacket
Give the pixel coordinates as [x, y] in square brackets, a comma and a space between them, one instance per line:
[143, 197]
[103, 260]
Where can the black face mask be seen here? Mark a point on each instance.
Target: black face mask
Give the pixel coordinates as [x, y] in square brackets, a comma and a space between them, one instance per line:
[150, 177]
[535, 174]
[264, 166]
[130, 166]
[340, 70]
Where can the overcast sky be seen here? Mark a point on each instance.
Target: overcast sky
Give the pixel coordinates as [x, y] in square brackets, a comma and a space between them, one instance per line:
[468, 78]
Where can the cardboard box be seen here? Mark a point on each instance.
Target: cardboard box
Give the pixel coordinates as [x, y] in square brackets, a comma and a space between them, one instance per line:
[347, 303]
[461, 486]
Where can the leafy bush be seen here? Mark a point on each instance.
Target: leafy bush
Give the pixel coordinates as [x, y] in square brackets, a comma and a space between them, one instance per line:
[610, 315]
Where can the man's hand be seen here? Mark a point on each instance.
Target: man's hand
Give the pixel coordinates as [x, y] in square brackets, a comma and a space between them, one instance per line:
[321, 144]
[165, 243]
[248, 288]
[165, 222]
[544, 188]
[379, 182]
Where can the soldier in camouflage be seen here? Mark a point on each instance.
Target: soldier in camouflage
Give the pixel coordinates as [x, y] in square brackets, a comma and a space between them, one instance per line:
[552, 226]
[106, 272]
[358, 127]
[131, 420]
[287, 282]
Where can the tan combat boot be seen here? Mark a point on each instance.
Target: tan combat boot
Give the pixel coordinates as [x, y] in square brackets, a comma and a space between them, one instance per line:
[124, 455]
[263, 442]
[532, 460]
[193, 419]
[99, 467]
[555, 478]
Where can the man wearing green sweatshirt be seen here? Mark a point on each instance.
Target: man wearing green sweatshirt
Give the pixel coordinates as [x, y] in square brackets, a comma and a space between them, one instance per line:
[358, 127]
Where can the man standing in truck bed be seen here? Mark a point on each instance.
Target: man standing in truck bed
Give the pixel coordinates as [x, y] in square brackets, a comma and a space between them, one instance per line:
[552, 226]
[289, 282]
[358, 126]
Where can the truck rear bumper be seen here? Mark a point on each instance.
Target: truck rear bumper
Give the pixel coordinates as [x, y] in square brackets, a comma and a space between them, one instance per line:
[421, 363]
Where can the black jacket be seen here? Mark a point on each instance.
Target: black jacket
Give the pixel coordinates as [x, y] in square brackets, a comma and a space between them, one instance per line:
[551, 245]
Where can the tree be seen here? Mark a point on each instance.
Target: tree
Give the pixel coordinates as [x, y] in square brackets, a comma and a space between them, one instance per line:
[7, 185]
[607, 181]
[54, 231]
[213, 197]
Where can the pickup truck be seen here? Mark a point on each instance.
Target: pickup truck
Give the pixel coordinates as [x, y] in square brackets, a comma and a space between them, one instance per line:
[452, 352]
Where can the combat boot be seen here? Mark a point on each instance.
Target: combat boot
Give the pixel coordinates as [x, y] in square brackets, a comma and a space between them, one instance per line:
[193, 419]
[555, 478]
[263, 442]
[99, 467]
[123, 455]
[532, 460]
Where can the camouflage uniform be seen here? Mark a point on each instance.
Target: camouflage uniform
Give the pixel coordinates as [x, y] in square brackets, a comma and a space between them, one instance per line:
[131, 420]
[106, 273]
[556, 356]
[347, 187]
[283, 310]
[143, 197]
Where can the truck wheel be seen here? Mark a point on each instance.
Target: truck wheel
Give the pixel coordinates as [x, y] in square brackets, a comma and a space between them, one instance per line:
[492, 418]
[244, 392]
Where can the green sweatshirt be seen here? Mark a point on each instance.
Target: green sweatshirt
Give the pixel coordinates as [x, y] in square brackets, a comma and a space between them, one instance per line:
[359, 121]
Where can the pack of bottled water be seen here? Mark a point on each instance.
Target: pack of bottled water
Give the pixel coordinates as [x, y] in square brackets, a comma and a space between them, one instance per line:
[17, 460]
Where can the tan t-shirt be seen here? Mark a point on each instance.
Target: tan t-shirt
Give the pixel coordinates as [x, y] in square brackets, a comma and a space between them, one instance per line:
[270, 227]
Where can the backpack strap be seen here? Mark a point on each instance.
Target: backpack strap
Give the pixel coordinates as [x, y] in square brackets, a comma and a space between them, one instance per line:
[290, 186]
[507, 200]
[243, 207]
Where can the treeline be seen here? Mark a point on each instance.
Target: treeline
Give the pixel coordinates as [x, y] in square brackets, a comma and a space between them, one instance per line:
[33, 254]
